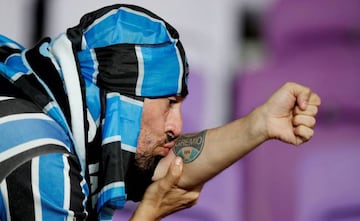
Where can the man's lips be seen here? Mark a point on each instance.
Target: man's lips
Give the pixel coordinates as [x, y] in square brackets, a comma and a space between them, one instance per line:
[167, 147]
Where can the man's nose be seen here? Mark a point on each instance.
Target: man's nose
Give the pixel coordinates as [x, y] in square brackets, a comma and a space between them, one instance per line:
[174, 124]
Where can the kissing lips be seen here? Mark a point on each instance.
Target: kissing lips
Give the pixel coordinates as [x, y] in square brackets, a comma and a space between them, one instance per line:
[167, 147]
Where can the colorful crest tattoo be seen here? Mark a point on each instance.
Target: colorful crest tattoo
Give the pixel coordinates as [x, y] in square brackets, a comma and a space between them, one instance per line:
[189, 146]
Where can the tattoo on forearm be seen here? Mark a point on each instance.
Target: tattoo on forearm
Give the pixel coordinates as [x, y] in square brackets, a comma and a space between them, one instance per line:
[190, 146]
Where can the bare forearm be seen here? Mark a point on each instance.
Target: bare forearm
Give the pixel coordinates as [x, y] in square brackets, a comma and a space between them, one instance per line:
[222, 147]
[288, 115]
[209, 152]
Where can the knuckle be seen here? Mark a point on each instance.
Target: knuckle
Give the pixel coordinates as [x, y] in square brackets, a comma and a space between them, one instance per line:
[163, 186]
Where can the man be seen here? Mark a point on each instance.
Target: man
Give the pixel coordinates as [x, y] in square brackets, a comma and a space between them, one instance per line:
[90, 119]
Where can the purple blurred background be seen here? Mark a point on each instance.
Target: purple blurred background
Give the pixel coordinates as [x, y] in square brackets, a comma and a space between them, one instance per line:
[240, 51]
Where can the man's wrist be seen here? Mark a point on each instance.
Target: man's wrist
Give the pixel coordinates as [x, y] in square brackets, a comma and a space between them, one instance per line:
[257, 125]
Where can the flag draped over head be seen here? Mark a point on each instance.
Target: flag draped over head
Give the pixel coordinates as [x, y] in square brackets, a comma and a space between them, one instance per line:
[103, 69]
[128, 49]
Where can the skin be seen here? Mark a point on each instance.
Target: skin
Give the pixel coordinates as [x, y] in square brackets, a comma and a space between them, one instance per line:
[164, 197]
[288, 115]
[161, 124]
[161, 117]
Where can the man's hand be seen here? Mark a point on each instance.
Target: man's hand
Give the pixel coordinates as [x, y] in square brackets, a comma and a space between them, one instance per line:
[290, 114]
[164, 197]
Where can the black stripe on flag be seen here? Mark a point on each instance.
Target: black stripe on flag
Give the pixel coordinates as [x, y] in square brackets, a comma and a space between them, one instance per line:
[17, 106]
[20, 194]
[118, 68]
[9, 165]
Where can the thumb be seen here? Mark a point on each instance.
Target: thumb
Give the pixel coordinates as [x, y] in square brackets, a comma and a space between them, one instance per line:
[175, 170]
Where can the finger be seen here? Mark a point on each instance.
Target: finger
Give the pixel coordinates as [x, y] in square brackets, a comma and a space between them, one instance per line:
[174, 173]
[303, 134]
[184, 199]
[311, 110]
[304, 120]
[301, 93]
[308, 98]
[192, 198]
[314, 99]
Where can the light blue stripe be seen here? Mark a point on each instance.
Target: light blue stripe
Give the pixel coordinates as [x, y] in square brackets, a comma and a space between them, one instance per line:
[5, 41]
[122, 119]
[3, 216]
[9, 73]
[89, 72]
[93, 100]
[53, 108]
[16, 63]
[16, 132]
[115, 194]
[51, 185]
[87, 65]
[164, 72]
[86, 191]
[55, 112]
[119, 28]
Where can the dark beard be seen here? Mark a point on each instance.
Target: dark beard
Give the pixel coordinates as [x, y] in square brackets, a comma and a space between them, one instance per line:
[139, 175]
[144, 161]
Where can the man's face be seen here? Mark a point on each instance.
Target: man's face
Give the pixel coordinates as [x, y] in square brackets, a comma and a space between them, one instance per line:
[161, 123]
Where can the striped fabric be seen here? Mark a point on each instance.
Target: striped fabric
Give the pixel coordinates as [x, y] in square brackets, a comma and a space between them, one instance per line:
[41, 188]
[89, 83]
[21, 143]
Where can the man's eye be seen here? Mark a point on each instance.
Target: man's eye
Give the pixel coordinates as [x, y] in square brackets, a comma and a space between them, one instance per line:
[171, 101]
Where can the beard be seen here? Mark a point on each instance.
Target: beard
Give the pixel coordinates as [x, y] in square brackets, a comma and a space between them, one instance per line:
[145, 161]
